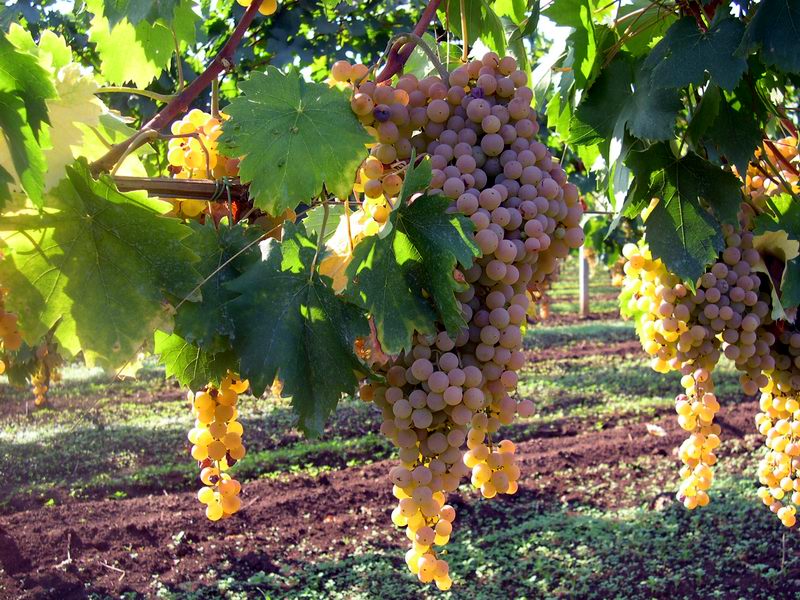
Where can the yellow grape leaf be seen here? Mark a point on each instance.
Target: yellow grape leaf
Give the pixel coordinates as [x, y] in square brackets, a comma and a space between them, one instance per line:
[340, 246]
[76, 104]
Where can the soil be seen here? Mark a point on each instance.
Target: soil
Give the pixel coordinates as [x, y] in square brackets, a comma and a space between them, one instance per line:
[114, 546]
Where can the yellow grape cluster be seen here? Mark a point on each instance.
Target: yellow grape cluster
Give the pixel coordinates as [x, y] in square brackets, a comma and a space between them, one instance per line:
[779, 421]
[653, 293]
[10, 337]
[217, 444]
[761, 182]
[47, 371]
[267, 8]
[194, 154]
[696, 410]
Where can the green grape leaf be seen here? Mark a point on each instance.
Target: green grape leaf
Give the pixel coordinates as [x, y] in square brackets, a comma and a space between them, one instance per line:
[582, 43]
[207, 320]
[389, 275]
[777, 234]
[22, 76]
[775, 29]
[139, 10]
[138, 53]
[101, 261]
[482, 22]
[736, 133]
[293, 137]
[313, 220]
[705, 114]
[651, 22]
[290, 325]
[189, 364]
[21, 156]
[686, 53]
[680, 231]
[623, 93]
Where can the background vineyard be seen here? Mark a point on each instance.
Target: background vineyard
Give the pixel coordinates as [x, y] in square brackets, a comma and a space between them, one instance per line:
[596, 514]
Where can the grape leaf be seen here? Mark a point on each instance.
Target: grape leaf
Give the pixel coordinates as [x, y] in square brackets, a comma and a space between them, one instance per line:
[313, 220]
[138, 53]
[583, 41]
[25, 87]
[686, 53]
[189, 364]
[736, 133]
[389, 273]
[623, 93]
[22, 76]
[652, 22]
[294, 137]
[27, 164]
[482, 22]
[680, 230]
[705, 114]
[139, 10]
[204, 322]
[74, 105]
[775, 28]
[290, 325]
[785, 218]
[101, 261]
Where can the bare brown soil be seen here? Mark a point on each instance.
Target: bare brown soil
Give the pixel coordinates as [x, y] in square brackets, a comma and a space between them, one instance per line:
[110, 547]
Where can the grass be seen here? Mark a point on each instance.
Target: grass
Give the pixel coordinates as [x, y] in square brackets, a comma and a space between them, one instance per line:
[564, 293]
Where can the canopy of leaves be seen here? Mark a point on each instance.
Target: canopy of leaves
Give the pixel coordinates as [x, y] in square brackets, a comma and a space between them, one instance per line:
[295, 137]
[289, 325]
[391, 275]
[99, 261]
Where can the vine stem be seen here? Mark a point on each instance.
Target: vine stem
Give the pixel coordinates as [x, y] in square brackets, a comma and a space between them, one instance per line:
[437, 64]
[190, 189]
[182, 101]
[400, 53]
[115, 89]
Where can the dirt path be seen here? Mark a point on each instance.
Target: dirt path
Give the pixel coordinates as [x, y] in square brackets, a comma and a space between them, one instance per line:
[114, 546]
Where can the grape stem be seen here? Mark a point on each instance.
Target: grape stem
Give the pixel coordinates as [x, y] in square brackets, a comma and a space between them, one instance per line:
[464, 33]
[400, 52]
[182, 101]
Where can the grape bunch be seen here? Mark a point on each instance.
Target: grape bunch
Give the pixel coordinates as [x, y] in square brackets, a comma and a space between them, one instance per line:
[446, 398]
[46, 372]
[193, 154]
[217, 444]
[688, 331]
[10, 337]
[761, 181]
[779, 421]
[267, 8]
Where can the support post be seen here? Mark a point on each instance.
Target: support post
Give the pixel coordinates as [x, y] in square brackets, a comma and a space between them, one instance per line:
[583, 284]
